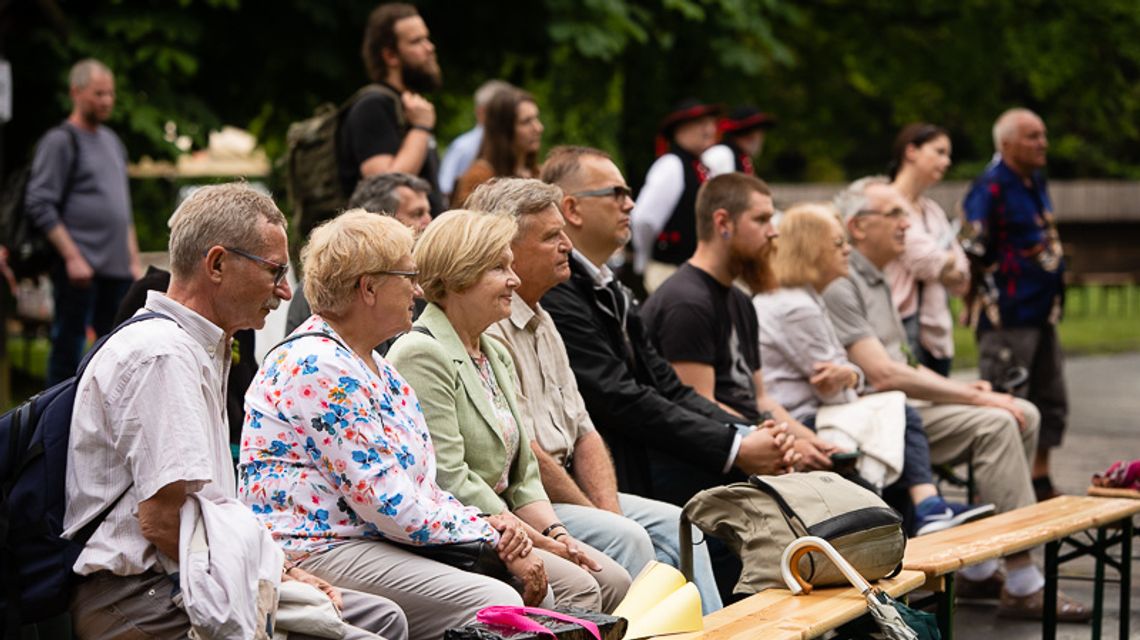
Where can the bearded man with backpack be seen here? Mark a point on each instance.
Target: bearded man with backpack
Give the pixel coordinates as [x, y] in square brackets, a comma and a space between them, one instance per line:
[385, 127]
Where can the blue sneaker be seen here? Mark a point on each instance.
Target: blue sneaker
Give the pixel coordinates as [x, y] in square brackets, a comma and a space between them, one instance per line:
[935, 514]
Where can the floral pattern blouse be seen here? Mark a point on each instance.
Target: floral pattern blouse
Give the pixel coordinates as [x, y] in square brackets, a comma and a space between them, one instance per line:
[507, 424]
[330, 453]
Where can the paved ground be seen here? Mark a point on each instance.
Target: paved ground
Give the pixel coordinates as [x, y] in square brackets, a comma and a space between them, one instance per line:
[1104, 426]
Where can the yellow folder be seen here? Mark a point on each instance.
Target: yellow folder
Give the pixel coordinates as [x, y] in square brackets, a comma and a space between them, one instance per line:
[660, 602]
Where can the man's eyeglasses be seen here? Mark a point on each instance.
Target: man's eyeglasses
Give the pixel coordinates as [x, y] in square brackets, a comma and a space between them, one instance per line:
[276, 268]
[893, 214]
[617, 192]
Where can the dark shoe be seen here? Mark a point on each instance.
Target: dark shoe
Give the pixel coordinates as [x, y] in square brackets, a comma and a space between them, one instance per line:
[989, 589]
[1044, 489]
[1032, 607]
[935, 514]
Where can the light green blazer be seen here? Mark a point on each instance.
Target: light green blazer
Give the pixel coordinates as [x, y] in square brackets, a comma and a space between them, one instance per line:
[469, 447]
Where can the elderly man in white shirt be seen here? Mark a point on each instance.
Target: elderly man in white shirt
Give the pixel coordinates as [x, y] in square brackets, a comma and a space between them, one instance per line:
[149, 422]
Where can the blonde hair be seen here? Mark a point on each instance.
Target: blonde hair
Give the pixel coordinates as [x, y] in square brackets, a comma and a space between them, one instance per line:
[458, 247]
[805, 239]
[341, 250]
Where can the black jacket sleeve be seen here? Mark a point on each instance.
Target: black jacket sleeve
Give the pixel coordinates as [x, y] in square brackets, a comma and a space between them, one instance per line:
[660, 417]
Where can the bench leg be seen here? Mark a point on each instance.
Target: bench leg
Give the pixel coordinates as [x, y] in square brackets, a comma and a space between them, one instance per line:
[1125, 575]
[1049, 619]
[1098, 584]
[944, 608]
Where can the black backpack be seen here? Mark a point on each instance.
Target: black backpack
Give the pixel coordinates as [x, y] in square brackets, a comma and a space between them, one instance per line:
[35, 562]
[312, 175]
[29, 251]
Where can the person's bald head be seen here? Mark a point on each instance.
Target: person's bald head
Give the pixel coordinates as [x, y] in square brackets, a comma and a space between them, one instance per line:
[1020, 138]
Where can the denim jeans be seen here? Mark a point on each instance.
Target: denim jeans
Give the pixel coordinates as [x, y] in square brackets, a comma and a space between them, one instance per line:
[649, 530]
[75, 309]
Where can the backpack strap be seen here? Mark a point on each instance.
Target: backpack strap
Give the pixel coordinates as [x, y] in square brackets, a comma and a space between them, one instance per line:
[74, 168]
[124, 324]
[307, 334]
[388, 92]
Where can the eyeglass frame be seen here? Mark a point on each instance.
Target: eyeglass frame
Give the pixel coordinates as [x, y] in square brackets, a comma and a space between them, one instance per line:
[617, 192]
[410, 275]
[279, 270]
[894, 214]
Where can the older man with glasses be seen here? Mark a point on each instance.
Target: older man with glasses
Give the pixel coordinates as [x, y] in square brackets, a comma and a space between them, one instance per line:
[965, 422]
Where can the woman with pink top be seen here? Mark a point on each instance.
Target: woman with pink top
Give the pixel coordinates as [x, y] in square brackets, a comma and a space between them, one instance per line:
[933, 265]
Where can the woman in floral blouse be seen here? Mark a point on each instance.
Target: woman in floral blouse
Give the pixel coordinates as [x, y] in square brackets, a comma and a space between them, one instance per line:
[336, 459]
[466, 382]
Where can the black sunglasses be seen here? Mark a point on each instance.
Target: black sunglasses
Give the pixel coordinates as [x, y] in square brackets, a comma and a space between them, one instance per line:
[617, 192]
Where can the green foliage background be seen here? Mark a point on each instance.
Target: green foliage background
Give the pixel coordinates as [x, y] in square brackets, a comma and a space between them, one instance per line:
[842, 76]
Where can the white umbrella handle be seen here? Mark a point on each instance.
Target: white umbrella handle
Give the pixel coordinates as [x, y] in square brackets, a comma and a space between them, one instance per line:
[789, 564]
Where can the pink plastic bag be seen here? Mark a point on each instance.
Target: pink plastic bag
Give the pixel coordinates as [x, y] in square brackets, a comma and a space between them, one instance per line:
[1121, 475]
[515, 618]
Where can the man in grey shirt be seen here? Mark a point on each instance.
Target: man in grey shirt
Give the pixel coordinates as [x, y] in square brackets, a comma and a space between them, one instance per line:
[964, 421]
[78, 195]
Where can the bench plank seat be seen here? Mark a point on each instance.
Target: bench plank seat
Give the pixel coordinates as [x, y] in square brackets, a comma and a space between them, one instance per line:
[947, 551]
[776, 614]
[1110, 492]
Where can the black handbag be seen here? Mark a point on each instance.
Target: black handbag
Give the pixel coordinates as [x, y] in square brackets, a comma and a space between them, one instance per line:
[478, 556]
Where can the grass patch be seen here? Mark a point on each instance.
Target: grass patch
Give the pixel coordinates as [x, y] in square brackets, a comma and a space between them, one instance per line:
[1098, 320]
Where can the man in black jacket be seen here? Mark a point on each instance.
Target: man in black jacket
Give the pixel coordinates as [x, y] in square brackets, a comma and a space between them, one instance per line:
[667, 441]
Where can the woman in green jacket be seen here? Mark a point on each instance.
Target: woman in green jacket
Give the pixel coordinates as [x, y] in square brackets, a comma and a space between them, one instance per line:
[465, 383]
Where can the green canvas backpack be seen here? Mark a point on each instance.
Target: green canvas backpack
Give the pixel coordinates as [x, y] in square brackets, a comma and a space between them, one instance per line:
[312, 178]
[759, 518]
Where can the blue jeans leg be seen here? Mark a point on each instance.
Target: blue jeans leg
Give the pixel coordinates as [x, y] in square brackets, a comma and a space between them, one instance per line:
[616, 536]
[75, 309]
[661, 520]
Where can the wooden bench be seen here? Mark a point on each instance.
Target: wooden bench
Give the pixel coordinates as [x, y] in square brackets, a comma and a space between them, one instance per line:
[1109, 492]
[1049, 523]
[776, 614]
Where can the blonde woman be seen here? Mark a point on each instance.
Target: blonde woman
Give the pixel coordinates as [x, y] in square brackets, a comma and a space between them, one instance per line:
[465, 381]
[805, 364]
[336, 459]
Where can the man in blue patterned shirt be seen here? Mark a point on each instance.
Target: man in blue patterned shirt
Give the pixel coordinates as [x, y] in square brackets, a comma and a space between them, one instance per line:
[1015, 238]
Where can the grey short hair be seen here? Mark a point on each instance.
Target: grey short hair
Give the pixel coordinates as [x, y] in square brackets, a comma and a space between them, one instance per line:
[377, 194]
[518, 197]
[1004, 125]
[488, 89]
[853, 198]
[226, 215]
[82, 71]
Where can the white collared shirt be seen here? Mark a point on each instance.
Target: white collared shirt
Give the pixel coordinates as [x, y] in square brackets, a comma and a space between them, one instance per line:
[601, 276]
[150, 410]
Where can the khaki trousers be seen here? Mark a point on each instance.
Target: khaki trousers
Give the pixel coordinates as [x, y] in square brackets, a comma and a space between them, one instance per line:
[434, 596]
[991, 438]
[106, 606]
[577, 587]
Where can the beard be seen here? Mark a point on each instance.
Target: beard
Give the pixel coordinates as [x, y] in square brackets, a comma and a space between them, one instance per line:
[756, 269]
[422, 79]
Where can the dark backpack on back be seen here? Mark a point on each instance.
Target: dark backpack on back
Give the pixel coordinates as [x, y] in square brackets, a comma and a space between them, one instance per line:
[29, 251]
[312, 175]
[35, 562]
